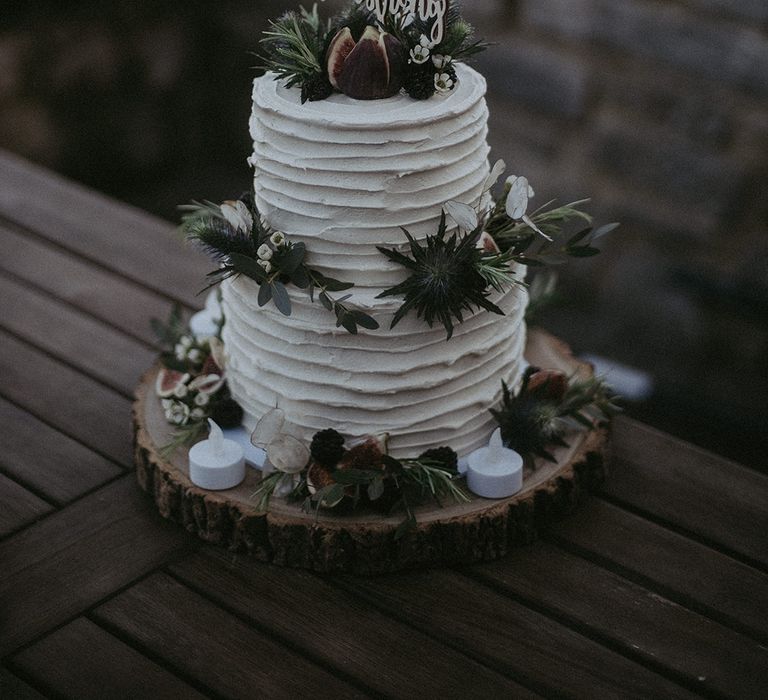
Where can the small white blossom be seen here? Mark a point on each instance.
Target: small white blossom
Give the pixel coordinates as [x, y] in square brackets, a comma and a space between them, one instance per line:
[197, 414]
[201, 399]
[237, 215]
[266, 265]
[181, 391]
[178, 413]
[440, 61]
[166, 404]
[180, 351]
[277, 238]
[186, 341]
[195, 355]
[420, 52]
[443, 82]
[264, 252]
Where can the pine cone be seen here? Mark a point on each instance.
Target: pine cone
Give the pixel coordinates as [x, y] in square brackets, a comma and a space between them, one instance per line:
[327, 447]
[316, 88]
[444, 455]
[420, 81]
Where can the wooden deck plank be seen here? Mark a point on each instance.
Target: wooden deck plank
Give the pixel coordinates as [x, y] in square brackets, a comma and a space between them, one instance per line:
[220, 651]
[81, 660]
[694, 574]
[78, 406]
[57, 568]
[644, 625]
[106, 296]
[548, 656]
[18, 507]
[327, 624]
[113, 235]
[73, 337]
[691, 489]
[46, 461]
[13, 688]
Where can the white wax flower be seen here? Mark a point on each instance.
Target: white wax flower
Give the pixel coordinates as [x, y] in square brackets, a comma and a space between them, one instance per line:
[197, 414]
[201, 399]
[420, 52]
[441, 61]
[264, 252]
[443, 82]
[195, 355]
[266, 265]
[277, 238]
[178, 414]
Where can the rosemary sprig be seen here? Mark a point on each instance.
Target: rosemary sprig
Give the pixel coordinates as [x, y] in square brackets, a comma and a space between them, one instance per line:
[295, 49]
[184, 435]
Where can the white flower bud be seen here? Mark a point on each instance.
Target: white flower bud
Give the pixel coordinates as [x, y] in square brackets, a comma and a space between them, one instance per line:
[277, 238]
[264, 252]
[266, 265]
[201, 400]
[180, 391]
[197, 414]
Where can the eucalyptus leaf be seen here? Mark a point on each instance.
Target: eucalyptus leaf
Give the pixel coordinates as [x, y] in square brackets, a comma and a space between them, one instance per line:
[292, 258]
[581, 235]
[333, 285]
[281, 298]
[351, 477]
[325, 300]
[265, 293]
[300, 278]
[329, 496]
[584, 251]
[364, 320]
[347, 320]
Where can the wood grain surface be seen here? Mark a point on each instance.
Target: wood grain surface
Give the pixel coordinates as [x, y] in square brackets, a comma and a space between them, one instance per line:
[656, 588]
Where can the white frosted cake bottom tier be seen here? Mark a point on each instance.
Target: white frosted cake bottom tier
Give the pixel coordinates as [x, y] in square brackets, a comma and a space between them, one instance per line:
[409, 381]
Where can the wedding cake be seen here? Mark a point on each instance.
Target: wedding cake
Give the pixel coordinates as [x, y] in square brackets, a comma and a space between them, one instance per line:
[343, 176]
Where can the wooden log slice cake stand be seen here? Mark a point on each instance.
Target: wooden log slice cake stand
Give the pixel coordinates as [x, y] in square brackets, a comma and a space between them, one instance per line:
[364, 543]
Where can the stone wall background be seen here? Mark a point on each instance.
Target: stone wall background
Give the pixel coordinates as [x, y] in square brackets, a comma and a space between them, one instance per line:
[658, 109]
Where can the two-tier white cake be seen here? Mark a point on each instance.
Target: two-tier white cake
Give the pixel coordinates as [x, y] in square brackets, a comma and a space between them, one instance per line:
[343, 176]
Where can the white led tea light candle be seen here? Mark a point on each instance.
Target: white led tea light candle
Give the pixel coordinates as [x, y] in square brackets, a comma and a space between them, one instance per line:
[216, 463]
[494, 471]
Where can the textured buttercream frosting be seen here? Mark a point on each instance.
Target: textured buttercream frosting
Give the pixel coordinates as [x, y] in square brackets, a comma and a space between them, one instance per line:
[343, 176]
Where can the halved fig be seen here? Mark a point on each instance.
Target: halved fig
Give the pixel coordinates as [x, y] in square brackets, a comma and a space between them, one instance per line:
[374, 68]
[340, 47]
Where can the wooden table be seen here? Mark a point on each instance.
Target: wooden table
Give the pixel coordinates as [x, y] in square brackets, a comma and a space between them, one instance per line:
[656, 588]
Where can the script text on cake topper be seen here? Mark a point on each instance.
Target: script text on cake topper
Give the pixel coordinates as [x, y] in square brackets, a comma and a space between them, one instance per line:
[428, 11]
